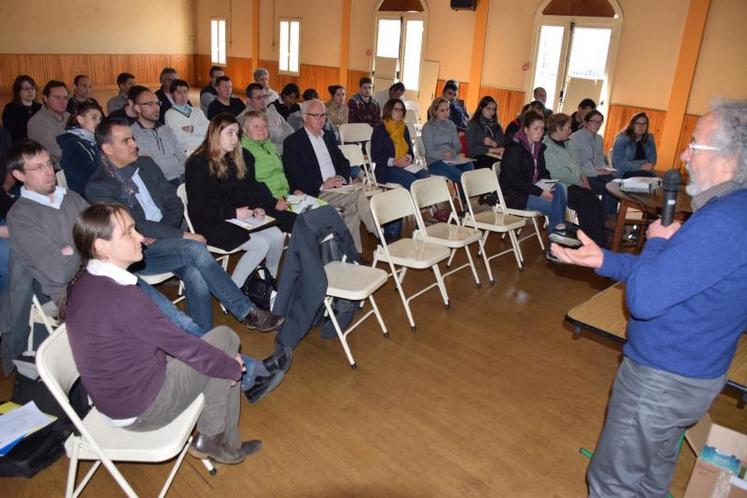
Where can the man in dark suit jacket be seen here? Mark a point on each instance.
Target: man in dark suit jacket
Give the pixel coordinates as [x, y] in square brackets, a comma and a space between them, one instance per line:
[139, 184]
[315, 165]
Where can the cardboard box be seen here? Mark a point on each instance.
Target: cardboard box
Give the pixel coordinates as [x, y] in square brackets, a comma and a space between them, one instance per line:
[708, 480]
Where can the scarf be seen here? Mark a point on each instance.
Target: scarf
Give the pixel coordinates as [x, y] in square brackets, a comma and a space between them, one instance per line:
[124, 177]
[83, 134]
[396, 130]
[489, 125]
[533, 149]
[185, 109]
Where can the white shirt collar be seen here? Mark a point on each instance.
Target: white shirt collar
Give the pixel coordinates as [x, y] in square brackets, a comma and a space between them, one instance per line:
[312, 136]
[106, 269]
[56, 202]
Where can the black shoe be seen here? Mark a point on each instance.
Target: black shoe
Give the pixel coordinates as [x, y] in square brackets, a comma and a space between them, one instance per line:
[215, 447]
[565, 236]
[251, 446]
[262, 320]
[551, 257]
[280, 360]
[263, 385]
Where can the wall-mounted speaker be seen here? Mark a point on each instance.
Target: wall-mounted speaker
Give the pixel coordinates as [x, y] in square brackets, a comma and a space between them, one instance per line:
[463, 4]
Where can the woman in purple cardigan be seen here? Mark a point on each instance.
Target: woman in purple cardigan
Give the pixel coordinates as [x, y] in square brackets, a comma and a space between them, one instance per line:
[140, 369]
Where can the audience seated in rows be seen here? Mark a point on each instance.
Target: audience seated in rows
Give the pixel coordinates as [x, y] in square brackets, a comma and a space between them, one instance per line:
[221, 185]
[137, 183]
[590, 154]
[21, 108]
[155, 140]
[80, 155]
[188, 123]
[279, 127]
[442, 143]
[337, 109]
[485, 140]
[561, 161]
[209, 93]
[168, 75]
[393, 92]
[457, 111]
[139, 368]
[577, 118]
[362, 107]
[522, 166]
[225, 101]
[287, 103]
[50, 121]
[124, 82]
[634, 152]
[82, 90]
[315, 165]
[262, 77]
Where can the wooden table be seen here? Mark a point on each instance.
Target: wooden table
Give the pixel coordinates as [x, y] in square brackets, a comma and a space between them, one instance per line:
[648, 203]
[606, 314]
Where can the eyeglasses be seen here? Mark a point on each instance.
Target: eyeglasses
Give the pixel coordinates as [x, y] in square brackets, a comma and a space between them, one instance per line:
[316, 116]
[596, 121]
[39, 168]
[151, 103]
[693, 146]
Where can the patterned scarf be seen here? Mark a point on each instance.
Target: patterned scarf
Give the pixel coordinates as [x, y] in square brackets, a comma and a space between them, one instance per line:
[83, 134]
[396, 130]
[533, 149]
[124, 177]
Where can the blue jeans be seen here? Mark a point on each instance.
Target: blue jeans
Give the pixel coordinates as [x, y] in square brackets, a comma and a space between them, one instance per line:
[452, 172]
[399, 176]
[188, 325]
[202, 276]
[555, 209]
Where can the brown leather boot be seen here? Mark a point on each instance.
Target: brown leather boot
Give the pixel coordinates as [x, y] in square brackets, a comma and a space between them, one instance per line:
[215, 447]
[262, 320]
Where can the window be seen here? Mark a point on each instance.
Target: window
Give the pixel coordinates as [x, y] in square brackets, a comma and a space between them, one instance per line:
[290, 36]
[218, 41]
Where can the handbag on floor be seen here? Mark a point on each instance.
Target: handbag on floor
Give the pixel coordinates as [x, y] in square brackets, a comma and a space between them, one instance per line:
[259, 287]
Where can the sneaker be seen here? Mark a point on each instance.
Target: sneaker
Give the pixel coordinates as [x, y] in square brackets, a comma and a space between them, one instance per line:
[565, 236]
[551, 257]
[262, 320]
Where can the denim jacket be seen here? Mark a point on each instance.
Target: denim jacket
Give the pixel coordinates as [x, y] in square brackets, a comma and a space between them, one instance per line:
[623, 153]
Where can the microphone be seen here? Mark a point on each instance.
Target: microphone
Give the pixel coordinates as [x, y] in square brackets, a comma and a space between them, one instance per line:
[670, 188]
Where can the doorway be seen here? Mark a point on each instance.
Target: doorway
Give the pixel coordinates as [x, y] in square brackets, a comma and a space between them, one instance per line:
[400, 38]
[575, 54]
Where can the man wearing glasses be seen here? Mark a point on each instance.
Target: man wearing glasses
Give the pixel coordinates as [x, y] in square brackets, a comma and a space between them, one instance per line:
[686, 294]
[156, 140]
[257, 100]
[45, 125]
[314, 164]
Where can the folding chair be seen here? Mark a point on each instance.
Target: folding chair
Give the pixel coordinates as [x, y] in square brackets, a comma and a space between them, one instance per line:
[522, 213]
[160, 278]
[355, 132]
[101, 442]
[222, 255]
[406, 253]
[61, 179]
[480, 182]
[43, 314]
[353, 153]
[420, 152]
[356, 283]
[433, 190]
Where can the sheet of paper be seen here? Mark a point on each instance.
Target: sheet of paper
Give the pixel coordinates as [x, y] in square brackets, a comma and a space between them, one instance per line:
[21, 421]
[455, 162]
[302, 203]
[414, 167]
[252, 223]
[546, 185]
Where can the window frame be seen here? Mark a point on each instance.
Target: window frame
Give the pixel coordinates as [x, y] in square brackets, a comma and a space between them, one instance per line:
[225, 42]
[290, 21]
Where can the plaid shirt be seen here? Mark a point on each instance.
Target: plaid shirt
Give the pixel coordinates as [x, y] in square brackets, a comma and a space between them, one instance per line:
[364, 112]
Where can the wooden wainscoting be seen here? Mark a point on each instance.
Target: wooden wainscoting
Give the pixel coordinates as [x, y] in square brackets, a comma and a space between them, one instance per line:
[239, 69]
[102, 68]
[618, 117]
[354, 78]
[310, 76]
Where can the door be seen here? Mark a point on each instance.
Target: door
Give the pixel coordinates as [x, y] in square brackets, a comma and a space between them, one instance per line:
[399, 47]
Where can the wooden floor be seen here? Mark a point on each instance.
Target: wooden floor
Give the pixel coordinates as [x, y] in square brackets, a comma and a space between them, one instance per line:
[492, 398]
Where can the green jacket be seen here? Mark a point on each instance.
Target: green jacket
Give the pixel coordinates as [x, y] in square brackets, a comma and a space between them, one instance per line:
[268, 166]
[561, 162]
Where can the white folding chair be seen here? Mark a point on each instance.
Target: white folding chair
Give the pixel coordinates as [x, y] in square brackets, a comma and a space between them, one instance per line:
[406, 253]
[61, 179]
[411, 117]
[98, 440]
[354, 154]
[433, 190]
[529, 214]
[159, 278]
[356, 283]
[420, 152]
[483, 181]
[44, 314]
[355, 132]
[221, 255]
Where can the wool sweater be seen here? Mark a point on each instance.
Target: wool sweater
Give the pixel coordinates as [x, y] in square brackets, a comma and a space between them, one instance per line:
[161, 145]
[687, 295]
[44, 127]
[589, 151]
[561, 162]
[440, 137]
[120, 342]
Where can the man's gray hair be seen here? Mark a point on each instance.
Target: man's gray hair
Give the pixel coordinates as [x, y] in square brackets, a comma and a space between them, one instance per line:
[306, 105]
[259, 72]
[730, 134]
